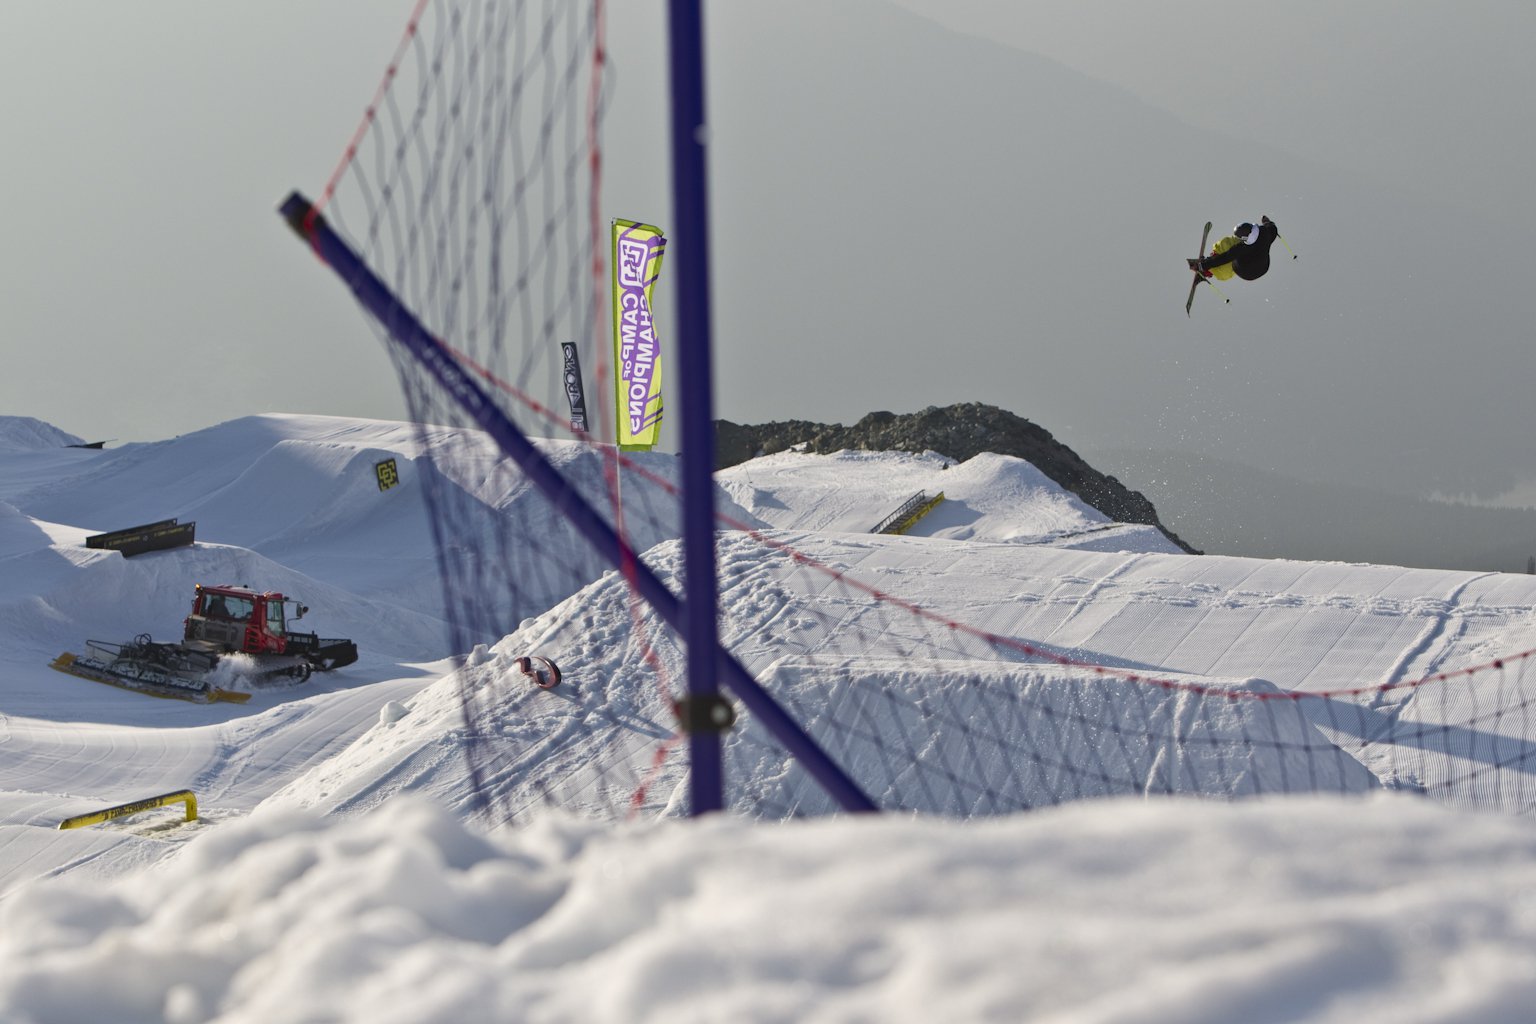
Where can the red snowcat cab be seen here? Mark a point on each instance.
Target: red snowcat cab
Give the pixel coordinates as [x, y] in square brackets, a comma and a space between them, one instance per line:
[226, 619]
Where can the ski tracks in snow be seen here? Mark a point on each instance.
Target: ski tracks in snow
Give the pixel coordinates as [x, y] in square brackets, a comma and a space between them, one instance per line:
[1445, 626]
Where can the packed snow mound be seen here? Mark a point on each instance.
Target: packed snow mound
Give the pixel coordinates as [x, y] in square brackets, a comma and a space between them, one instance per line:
[820, 651]
[26, 434]
[416, 746]
[19, 534]
[606, 717]
[1223, 625]
[1301, 909]
[298, 489]
[1208, 737]
[988, 498]
[305, 490]
[141, 483]
[320, 504]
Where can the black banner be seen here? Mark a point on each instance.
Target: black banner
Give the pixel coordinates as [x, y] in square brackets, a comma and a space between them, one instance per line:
[573, 389]
[136, 540]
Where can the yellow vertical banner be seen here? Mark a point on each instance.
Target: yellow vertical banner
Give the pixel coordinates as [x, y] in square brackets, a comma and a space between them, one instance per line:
[637, 252]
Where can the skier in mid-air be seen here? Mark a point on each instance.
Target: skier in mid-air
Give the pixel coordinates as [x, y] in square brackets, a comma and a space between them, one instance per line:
[1246, 251]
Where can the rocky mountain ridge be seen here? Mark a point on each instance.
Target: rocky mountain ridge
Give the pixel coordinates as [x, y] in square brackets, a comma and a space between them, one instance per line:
[958, 431]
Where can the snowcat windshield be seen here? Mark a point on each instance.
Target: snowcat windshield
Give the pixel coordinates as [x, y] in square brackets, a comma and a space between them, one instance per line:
[225, 606]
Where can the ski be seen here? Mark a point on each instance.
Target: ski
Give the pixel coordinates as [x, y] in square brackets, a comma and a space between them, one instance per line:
[1198, 276]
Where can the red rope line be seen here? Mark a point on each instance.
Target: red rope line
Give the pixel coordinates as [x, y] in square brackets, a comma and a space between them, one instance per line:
[371, 114]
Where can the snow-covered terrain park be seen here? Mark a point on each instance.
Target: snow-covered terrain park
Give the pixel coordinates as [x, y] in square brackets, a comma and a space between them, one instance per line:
[336, 871]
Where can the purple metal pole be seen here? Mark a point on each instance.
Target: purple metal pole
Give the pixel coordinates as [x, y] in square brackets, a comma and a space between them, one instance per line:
[690, 201]
[407, 331]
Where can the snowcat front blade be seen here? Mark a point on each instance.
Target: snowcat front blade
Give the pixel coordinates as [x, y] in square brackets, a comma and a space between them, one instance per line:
[334, 654]
[322, 654]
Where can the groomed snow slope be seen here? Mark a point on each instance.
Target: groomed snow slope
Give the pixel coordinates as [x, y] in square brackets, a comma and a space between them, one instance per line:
[988, 498]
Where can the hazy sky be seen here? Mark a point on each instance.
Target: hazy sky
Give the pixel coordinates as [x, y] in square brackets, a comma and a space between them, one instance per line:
[149, 286]
[907, 212]
[1429, 96]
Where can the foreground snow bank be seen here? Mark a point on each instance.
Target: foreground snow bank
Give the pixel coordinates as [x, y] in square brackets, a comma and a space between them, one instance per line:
[1381, 908]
